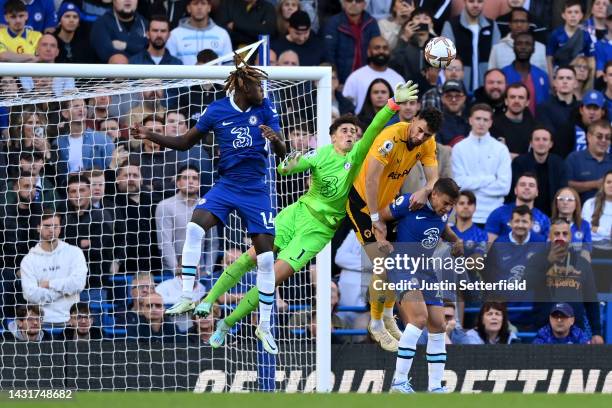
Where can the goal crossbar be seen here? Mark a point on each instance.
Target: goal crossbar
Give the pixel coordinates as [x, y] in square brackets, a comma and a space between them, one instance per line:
[158, 71]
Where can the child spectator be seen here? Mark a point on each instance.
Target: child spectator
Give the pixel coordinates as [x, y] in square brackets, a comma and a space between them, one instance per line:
[570, 40]
[17, 41]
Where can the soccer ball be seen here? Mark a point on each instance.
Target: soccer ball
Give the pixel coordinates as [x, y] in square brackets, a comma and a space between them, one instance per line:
[439, 52]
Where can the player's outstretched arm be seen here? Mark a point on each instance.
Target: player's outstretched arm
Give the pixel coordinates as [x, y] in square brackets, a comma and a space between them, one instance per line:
[293, 163]
[403, 93]
[182, 142]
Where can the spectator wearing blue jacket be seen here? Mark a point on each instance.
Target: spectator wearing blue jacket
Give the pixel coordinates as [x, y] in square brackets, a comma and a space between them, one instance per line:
[120, 31]
[561, 328]
[521, 70]
[41, 15]
[347, 36]
[156, 52]
[80, 148]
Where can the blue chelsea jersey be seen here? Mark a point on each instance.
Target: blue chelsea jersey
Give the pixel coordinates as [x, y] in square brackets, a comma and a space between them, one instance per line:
[423, 226]
[498, 222]
[507, 259]
[474, 240]
[243, 151]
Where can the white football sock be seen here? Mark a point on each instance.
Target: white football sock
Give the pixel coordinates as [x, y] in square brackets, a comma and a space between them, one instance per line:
[436, 358]
[265, 285]
[406, 352]
[192, 251]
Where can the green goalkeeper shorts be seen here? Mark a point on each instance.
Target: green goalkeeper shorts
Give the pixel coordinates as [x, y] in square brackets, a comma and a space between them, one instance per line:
[299, 236]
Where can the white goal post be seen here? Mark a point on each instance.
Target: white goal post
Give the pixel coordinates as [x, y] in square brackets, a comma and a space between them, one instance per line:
[322, 76]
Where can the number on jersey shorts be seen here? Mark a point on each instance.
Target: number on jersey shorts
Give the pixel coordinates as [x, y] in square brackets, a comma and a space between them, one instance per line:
[251, 200]
[299, 236]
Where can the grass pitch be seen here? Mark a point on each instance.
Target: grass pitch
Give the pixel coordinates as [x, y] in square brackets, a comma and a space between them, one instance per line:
[256, 400]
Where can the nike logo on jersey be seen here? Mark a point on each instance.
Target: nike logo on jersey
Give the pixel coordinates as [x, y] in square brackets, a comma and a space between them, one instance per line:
[226, 123]
[420, 218]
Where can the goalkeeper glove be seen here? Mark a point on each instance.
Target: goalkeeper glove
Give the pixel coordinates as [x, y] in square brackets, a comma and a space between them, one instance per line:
[406, 92]
[289, 162]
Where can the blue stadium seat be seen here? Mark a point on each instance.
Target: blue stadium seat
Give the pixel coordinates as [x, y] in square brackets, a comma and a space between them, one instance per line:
[55, 331]
[114, 332]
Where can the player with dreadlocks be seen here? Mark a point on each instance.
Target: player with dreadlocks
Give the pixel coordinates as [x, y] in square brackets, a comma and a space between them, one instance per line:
[243, 122]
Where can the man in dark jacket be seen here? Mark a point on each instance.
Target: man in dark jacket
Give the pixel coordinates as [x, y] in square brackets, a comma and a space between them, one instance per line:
[558, 112]
[548, 167]
[156, 52]
[88, 228]
[245, 20]
[347, 36]
[120, 31]
[133, 210]
[514, 124]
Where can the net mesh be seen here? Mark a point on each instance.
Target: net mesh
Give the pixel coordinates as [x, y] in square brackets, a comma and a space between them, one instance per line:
[129, 222]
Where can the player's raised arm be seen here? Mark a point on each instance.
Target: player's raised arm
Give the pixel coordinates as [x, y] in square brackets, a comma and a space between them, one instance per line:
[182, 142]
[403, 93]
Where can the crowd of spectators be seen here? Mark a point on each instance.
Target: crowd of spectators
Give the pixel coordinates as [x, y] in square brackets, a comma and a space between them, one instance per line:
[88, 215]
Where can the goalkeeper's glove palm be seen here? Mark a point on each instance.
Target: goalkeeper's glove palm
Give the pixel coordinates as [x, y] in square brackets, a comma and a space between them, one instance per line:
[406, 92]
[290, 161]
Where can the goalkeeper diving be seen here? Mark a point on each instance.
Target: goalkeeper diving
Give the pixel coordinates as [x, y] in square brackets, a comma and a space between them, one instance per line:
[305, 227]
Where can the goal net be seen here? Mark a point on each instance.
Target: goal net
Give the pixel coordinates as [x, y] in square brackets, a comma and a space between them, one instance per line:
[125, 204]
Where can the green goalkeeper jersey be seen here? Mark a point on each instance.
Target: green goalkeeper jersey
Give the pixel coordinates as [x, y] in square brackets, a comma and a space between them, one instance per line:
[333, 174]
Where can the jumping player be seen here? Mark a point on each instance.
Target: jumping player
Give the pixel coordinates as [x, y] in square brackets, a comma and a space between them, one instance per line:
[421, 230]
[243, 123]
[305, 227]
[394, 152]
